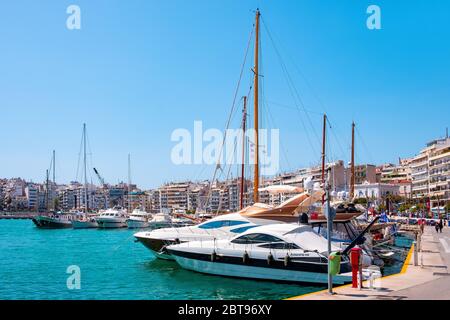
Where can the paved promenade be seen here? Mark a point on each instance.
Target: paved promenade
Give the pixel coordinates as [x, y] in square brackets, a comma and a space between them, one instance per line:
[430, 280]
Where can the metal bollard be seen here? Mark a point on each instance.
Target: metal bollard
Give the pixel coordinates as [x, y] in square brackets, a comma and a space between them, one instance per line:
[419, 242]
[416, 258]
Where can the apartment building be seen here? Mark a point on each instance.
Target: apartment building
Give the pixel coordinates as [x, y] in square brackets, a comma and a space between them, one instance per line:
[364, 173]
[32, 193]
[339, 175]
[430, 173]
[391, 173]
[135, 198]
[171, 196]
[439, 173]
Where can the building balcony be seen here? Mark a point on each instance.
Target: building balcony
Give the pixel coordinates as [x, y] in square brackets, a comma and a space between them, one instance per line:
[417, 188]
[421, 172]
[423, 163]
[418, 181]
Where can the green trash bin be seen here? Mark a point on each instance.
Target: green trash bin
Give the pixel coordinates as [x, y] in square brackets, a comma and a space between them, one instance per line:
[335, 263]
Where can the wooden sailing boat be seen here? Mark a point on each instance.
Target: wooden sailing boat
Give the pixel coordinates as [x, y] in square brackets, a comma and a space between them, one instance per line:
[345, 210]
[289, 210]
[52, 219]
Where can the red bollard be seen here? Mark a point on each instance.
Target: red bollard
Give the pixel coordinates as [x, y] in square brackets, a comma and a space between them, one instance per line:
[355, 259]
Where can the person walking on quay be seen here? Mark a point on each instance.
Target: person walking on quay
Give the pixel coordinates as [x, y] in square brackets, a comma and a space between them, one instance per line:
[441, 225]
[422, 223]
[436, 226]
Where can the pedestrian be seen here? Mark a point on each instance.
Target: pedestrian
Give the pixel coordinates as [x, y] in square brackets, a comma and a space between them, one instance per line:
[436, 226]
[441, 225]
[422, 225]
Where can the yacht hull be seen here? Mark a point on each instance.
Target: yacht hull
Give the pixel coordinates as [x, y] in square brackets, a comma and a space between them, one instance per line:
[44, 222]
[136, 224]
[111, 224]
[157, 247]
[255, 270]
[84, 224]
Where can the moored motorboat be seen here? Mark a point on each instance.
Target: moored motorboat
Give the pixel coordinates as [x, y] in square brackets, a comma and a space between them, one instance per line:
[160, 220]
[181, 222]
[220, 227]
[279, 252]
[139, 218]
[112, 218]
[226, 225]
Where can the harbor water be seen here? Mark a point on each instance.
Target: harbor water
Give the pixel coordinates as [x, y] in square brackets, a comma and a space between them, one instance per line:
[34, 265]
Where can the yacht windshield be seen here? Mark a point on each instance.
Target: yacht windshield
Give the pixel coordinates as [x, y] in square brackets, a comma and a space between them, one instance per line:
[220, 224]
[341, 232]
[256, 238]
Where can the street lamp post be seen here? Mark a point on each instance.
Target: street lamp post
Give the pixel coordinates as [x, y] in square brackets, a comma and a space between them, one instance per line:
[329, 214]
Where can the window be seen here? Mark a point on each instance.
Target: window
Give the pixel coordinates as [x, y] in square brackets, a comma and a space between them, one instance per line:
[220, 224]
[280, 245]
[256, 238]
[339, 233]
[241, 229]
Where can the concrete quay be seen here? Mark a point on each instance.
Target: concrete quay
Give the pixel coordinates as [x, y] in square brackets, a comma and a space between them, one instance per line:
[429, 280]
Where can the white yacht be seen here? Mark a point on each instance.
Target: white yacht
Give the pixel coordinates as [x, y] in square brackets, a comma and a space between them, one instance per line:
[112, 218]
[181, 222]
[227, 225]
[139, 218]
[219, 227]
[279, 252]
[160, 220]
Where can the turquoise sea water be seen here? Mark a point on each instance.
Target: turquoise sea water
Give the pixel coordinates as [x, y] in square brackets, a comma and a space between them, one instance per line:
[33, 264]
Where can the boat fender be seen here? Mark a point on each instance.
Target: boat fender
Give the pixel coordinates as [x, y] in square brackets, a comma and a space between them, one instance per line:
[286, 260]
[213, 256]
[245, 258]
[270, 259]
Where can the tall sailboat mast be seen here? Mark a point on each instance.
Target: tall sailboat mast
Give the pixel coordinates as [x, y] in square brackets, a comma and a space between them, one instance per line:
[129, 169]
[352, 178]
[256, 79]
[323, 152]
[46, 189]
[54, 170]
[129, 182]
[54, 179]
[85, 169]
[244, 119]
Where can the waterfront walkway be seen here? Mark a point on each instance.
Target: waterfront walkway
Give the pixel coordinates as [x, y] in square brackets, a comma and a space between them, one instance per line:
[430, 280]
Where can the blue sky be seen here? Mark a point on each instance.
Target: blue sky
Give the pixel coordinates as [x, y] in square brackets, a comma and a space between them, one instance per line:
[137, 70]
